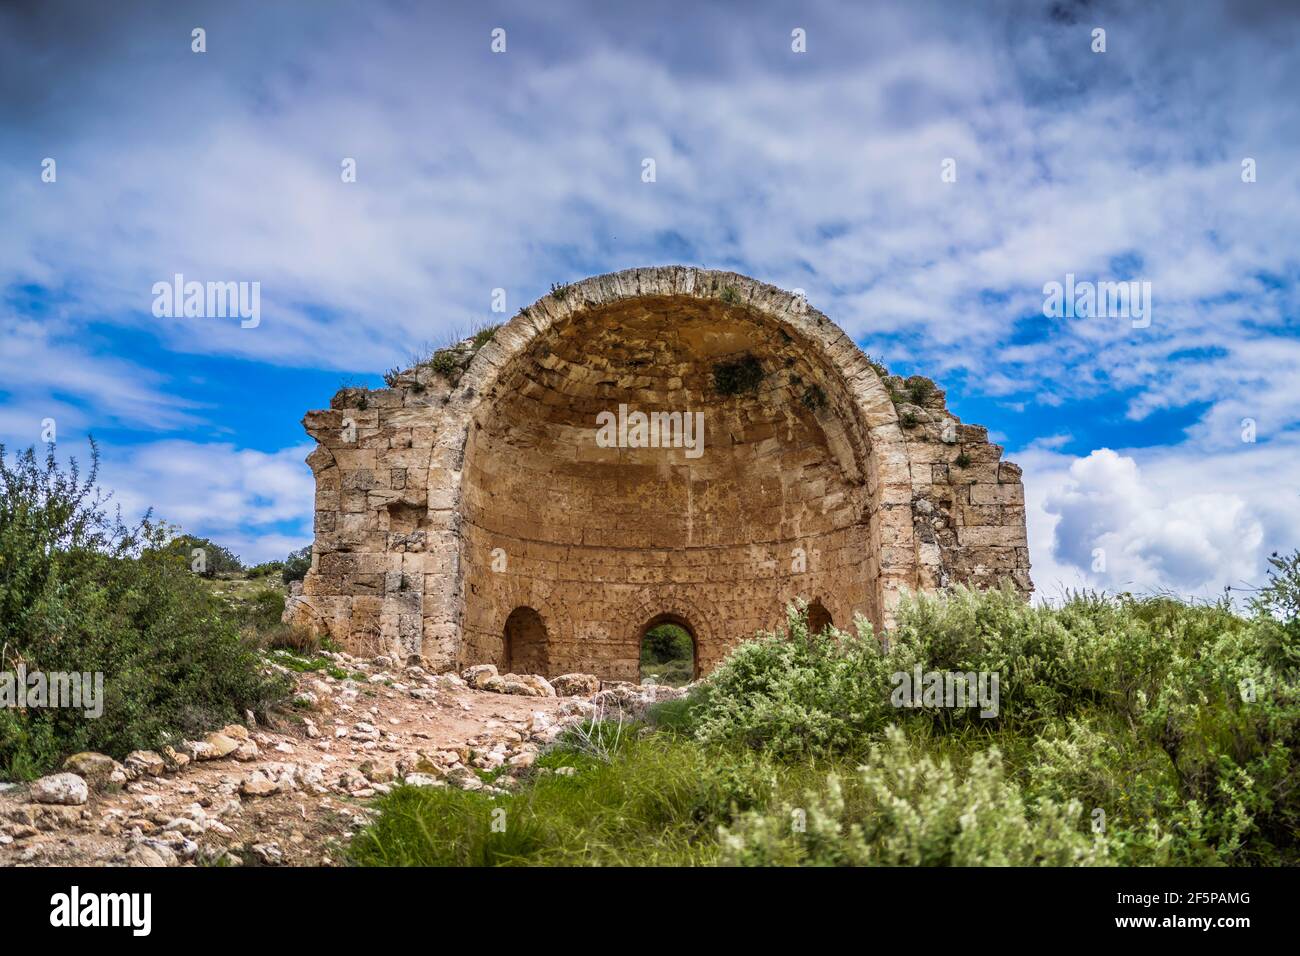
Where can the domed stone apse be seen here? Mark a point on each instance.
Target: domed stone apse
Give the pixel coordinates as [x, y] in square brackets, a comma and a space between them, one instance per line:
[657, 444]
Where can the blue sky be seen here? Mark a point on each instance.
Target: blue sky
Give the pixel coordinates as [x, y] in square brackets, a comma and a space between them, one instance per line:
[818, 170]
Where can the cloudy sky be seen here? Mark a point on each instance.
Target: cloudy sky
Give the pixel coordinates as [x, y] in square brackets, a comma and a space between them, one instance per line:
[818, 170]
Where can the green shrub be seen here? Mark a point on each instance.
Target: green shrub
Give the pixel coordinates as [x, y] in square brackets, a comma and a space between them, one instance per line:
[265, 570]
[905, 808]
[483, 335]
[80, 592]
[919, 389]
[265, 609]
[204, 556]
[296, 565]
[445, 362]
[1180, 723]
[794, 693]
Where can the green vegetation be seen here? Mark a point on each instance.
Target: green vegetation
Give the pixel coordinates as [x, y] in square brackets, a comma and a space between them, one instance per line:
[919, 389]
[668, 656]
[1127, 731]
[296, 565]
[305, 661]
[80, 592]
[739, 375]
[204, 556]
[269, 569]
[483, 335]
[813, 398]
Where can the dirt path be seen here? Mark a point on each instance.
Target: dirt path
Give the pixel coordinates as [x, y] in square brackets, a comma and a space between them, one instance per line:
[292, 794]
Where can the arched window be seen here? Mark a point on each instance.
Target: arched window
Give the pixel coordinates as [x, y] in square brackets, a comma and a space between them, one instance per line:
[667, 651]
[525, 643]
[818, 618]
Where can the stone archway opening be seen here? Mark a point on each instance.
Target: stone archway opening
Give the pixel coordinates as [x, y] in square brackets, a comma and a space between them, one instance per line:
[666, 451]
[818, 617]
[525, 645]
[667, 651]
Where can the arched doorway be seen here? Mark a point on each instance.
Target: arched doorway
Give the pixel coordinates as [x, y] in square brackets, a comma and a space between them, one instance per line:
[526, 650]
[818, 618]
[667, 652]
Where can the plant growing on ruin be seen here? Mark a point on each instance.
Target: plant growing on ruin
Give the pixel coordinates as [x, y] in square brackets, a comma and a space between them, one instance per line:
[878, 367]
[483, 335]
[919, 389]
[740, 375]
[445, 362]
[814, 398]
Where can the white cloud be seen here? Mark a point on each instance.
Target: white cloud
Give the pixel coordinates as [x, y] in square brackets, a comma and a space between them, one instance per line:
[1166, 519]
[249, 501]
[477, 171]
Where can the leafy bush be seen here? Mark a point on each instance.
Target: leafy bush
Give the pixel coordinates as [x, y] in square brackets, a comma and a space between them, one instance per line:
[265, 609]
[795, 693]
[907, 809]
[265, 570]
[483, 335]
[204, 556]
[445, 362]
[82, 593]
[1180, 723]
[919, 389]
[296, 565]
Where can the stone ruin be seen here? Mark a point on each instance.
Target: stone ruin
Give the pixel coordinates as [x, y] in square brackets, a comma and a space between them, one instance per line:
[475, 511]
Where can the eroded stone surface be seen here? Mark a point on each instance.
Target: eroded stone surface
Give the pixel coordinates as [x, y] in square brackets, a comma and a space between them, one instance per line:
[468, 513]
[302, 795]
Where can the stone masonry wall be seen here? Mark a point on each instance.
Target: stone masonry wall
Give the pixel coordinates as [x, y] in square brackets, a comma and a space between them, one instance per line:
[473, 486]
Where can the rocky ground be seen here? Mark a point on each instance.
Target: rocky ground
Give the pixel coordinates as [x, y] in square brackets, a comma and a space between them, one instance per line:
[295, 792]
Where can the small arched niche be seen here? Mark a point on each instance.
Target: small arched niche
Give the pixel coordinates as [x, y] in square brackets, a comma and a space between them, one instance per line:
[525, 643]
[818, 617]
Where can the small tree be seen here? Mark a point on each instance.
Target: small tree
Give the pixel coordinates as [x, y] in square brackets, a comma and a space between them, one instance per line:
[296, 565]
[80, 592]
[204, 556]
